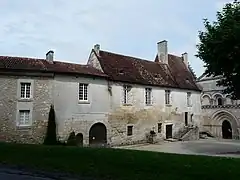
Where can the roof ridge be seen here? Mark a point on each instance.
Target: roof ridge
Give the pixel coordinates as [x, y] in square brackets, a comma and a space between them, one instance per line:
[22, 57]
[128, 56]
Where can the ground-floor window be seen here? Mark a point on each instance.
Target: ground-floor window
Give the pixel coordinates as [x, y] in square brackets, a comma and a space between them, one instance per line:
[129, 130]
[159, 127]
[24, 118]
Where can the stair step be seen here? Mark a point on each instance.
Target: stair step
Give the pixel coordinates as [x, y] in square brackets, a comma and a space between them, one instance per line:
[172, 140]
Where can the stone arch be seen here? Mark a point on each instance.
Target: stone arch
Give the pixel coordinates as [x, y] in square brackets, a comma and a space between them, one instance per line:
[217, 121]
[217, 94]
[98, 134]
[206, 99]
[218, 99]
[228, 99]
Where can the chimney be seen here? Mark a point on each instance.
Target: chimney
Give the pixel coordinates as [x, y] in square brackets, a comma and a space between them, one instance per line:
[50, 55]
[97, 48]
[185, 58]
[162, 52]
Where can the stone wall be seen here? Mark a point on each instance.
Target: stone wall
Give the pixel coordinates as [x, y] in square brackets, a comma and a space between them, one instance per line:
[105, 105]
[38, 105]
[213, 113]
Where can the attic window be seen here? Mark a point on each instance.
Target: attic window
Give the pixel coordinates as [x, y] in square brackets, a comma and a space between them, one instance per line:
[187, 80]
[121, 72]
[156, 76]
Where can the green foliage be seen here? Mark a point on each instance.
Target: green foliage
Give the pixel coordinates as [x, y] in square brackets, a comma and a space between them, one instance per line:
[72, 139]
[51, 135]
[219, 48]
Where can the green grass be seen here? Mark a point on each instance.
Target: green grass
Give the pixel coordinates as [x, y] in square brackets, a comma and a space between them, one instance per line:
[120, 164]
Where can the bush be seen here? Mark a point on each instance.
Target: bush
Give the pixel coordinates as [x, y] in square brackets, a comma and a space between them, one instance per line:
[72, 139]
[51, 135]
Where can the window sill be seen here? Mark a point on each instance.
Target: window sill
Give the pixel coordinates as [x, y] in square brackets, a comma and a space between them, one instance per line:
[127, 104]
[83, 102]
[168, 105]
[148, 104]
[25, 100]
[24, 127]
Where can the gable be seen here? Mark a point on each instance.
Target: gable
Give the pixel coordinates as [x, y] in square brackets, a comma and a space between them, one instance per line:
[94, 62]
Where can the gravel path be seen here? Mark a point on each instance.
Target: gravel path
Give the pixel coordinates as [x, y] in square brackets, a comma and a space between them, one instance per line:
[209, 147]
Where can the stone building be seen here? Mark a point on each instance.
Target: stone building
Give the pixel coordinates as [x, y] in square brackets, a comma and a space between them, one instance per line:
[221, 114]
[113, 99]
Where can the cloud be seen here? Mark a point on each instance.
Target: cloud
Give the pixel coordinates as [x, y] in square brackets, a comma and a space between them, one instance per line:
[71, 28]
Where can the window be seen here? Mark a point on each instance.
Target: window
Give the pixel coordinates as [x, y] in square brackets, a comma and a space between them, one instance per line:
[24, 118]
[219, 102]
[83, 92]
[186, 118]
[167, 96]
[191, 117]
[130, 130]
[126, 90]
[25, 90]
[148, 96]
[159, 127]
[189, 98]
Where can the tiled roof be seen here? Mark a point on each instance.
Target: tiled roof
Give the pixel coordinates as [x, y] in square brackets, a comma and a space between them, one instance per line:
[42, 65]
[134, 70]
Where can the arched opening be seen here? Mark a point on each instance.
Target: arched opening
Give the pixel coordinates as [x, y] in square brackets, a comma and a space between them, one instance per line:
[219, 101]
[79, 139]
[228, 100]
[224, 124]
[98, 134]
[206, 100]
[226, 130]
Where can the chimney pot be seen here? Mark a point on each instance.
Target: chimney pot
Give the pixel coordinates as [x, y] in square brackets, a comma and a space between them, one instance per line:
[97, 48]
[162, 48]
[50, 55]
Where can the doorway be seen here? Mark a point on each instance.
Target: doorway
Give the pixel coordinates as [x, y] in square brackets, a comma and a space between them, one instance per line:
[226, 130]
[98, 134]
[169, 131]
[79, 139]
[186, 118]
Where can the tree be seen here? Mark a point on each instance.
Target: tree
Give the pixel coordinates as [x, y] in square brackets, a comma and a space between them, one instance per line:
[219, 48]
[51, 135]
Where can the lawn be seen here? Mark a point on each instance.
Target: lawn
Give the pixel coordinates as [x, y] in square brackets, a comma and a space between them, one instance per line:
[120, 164]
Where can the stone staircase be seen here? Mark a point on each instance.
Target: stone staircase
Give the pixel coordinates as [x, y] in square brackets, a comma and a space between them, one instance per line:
[192, 134]
[187, 133]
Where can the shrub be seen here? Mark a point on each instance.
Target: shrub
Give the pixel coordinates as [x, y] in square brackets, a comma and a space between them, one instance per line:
[72, 139]
[51, 135]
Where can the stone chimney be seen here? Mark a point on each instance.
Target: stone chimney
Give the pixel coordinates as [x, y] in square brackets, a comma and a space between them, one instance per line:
[50, 55]
[96, 48]
[162, 52]
[185, 58]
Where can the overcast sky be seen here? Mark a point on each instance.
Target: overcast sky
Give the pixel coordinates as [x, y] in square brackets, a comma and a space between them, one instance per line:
[131, 27]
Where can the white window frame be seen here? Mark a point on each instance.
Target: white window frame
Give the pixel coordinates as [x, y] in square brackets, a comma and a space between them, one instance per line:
[189, 102]
[24, 85]
[25, 113]
[167, 97]
[83, 87]
[126, 90]
[148, 96]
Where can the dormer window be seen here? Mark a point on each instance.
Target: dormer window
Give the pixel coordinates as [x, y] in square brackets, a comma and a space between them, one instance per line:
[121, 72]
